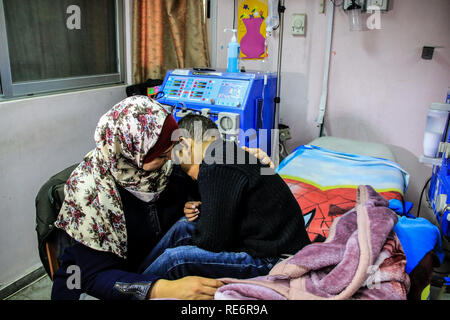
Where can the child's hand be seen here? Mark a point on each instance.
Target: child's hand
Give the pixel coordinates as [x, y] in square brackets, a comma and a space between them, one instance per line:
[261, 155]
[191, 210]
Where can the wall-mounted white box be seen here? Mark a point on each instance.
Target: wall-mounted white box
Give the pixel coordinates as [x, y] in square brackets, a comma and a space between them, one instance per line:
[383, 5]
[298, 24]
[321, 6]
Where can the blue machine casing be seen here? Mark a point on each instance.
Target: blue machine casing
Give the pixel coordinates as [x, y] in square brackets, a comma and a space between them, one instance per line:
[244, 101]
[440, 185]
[440, 188]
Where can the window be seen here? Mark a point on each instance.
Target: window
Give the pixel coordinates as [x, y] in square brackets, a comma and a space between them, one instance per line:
[48, 45]
[211, 18]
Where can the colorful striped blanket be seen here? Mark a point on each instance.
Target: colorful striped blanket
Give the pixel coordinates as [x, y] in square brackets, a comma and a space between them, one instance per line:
[324, 182]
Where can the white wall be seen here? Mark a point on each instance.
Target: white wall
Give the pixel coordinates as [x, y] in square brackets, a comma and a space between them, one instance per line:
[38, 138]
[379, 87]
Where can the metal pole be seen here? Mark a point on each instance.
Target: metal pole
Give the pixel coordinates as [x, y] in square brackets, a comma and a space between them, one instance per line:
[324, 95]
[281, 9]
[275, 137]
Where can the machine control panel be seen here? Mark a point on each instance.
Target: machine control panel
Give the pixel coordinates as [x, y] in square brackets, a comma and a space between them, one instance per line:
[208, 91]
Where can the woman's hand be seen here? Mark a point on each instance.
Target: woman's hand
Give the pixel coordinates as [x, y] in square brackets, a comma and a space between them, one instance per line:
[261, 155]
[191, 210]
[187, 288]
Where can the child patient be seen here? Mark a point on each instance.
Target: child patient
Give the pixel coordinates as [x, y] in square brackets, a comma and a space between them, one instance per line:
[243, 222]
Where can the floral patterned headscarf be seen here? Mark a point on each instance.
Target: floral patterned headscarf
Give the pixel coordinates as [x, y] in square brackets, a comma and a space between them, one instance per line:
[92, 211]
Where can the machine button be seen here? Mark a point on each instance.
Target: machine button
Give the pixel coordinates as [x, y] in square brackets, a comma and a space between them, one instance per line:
[212, 101]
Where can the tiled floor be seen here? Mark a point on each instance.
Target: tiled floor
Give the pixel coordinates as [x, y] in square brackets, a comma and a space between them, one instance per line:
[41, 289]
[37, 290]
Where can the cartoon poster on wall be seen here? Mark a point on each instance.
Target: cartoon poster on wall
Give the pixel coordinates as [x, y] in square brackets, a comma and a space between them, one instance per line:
[252, 28]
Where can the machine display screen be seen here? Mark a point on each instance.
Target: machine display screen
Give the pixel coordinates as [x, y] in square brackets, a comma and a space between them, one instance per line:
[230, 90]
[210, 91]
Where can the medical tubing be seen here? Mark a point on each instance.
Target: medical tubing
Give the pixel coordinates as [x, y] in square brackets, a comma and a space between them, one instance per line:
[324, 95]
[337, 5]
[421, 196]
[234, 13]
[263, 98]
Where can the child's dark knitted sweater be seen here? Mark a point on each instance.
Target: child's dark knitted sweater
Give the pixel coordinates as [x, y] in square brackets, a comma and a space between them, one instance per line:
[244, 210]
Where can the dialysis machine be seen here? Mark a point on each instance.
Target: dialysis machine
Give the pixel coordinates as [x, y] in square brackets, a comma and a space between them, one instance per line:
[241, 104]
[438, 125]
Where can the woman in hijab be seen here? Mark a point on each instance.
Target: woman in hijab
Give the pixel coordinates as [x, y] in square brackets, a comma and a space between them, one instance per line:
[115, 210]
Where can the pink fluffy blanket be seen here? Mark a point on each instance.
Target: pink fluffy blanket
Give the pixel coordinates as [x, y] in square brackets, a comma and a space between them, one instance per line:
[362, 258]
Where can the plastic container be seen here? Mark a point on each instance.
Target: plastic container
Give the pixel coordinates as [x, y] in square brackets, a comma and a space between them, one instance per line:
[354, 17]
[272, 20]
[436, 123]
[233, 53]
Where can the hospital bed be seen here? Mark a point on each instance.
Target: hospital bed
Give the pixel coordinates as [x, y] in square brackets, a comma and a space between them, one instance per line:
[324, 174]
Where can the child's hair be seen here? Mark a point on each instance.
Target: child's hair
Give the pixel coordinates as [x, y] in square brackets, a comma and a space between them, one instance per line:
[199, 128]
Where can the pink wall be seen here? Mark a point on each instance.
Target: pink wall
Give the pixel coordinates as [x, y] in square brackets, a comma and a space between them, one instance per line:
[379, 89]
[379, 85]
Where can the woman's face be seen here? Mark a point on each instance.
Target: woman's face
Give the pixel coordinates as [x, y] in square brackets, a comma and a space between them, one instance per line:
[159, 161]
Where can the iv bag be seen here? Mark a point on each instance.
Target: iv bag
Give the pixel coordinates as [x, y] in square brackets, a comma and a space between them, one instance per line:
[272, 20]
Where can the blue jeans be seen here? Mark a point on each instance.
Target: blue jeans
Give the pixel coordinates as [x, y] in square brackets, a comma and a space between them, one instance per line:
[175, 257]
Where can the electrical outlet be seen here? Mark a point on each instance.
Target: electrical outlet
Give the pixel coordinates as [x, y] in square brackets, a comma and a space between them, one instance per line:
[378, 3]
[382, 4]
[321, 6]
[298, 24]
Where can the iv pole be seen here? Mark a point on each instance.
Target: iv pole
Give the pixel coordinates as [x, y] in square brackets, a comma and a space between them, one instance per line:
[275, 147]
[324, 95]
